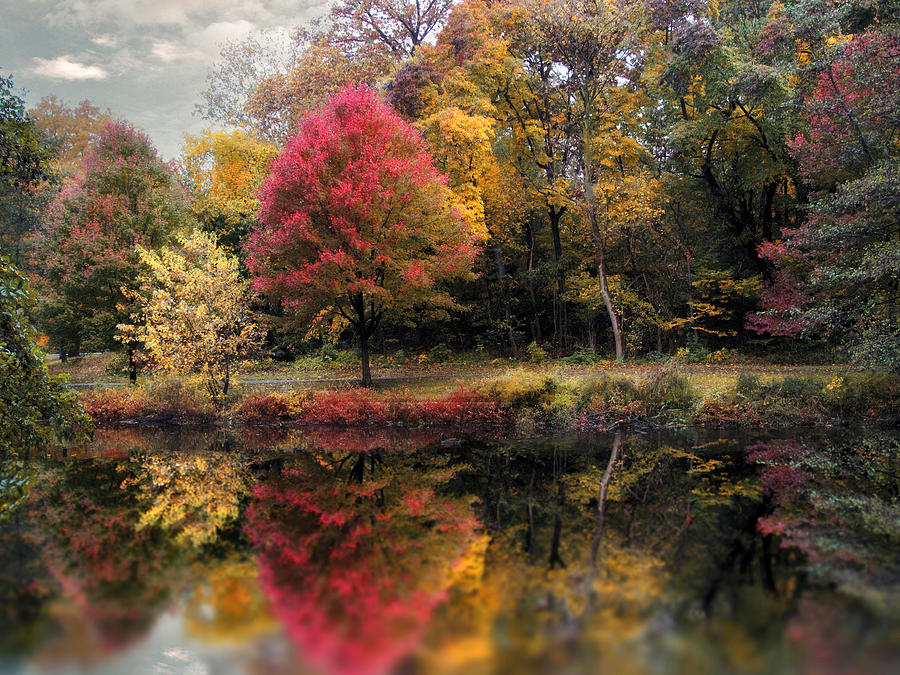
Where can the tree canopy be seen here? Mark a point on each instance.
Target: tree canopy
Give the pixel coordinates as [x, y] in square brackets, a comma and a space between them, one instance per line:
[356, 223]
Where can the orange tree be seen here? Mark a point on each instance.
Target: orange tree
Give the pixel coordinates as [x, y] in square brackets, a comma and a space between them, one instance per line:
[356, 223]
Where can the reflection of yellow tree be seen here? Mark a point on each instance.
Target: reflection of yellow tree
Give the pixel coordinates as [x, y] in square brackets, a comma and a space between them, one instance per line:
[646, 535]
[226, 604]
[195, 495]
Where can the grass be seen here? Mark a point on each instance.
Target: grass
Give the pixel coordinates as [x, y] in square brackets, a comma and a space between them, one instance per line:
[554, 393]
[434, 379]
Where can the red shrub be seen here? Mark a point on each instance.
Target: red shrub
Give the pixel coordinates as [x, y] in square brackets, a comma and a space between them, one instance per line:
[362, 407]
[107, 406]
[264, 409]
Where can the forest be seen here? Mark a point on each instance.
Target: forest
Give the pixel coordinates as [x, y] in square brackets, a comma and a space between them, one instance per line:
[471, 336]
[581, 180]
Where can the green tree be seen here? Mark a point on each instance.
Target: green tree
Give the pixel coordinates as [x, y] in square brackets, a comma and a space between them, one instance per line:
[35, 408]
[24, 165]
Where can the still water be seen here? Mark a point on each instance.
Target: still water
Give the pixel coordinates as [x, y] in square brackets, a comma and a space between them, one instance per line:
[362, 552]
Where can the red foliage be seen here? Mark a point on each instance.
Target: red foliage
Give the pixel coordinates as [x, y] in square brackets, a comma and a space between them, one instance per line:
[108, 406]
[362, 407]
[353, 570]
[120, 577]
[264, 409]
[355, 220]
[122, 196]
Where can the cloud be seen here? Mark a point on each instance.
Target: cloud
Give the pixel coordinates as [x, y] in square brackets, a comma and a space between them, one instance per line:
[65, 68]
[105, 41]
[169, 51]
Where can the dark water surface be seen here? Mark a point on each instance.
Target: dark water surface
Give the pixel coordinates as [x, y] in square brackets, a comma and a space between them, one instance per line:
[343, 551]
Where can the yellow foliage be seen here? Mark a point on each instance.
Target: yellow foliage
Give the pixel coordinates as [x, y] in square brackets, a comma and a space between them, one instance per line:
[194, 495]
[195, 315]
[225, 171]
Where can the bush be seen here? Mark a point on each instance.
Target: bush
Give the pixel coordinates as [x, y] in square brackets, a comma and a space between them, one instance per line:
[522, 389]
[176, 400]
[667, 391]
[608, 393]
[180, 399]
[536, 353]
[583, 357]
[265, 409]
[796, 389]
[748, 385]
[693, 351]
[108, 406]
[440, 353]
[865, 396]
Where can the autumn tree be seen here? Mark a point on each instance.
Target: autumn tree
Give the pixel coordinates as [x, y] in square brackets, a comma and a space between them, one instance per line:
[123, 195]
[225, 170]
[194, 312]
[356, 223]
[70, 129]
[587, 41]
[837, 274]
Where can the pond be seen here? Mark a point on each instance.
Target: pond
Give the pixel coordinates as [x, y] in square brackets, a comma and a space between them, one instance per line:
[378, 551]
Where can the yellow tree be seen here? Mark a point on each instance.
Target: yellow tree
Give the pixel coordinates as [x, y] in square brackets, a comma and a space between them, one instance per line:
[225, 171]
[588, 43]
[73, 129]
[195, 314]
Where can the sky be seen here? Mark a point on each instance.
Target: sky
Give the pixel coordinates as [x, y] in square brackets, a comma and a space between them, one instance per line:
[145, 60]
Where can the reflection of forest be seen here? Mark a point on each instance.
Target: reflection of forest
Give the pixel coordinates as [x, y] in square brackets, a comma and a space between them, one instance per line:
[387, 550]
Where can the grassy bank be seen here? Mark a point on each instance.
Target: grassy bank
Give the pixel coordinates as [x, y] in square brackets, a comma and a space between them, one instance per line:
[537, 396]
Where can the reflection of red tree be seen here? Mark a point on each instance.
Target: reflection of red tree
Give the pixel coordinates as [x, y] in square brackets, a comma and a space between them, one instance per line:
[343, 439]
[116, 576]
[354, 571]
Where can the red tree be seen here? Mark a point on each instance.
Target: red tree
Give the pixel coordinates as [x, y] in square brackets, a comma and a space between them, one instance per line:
[356, 222]
[355, 570]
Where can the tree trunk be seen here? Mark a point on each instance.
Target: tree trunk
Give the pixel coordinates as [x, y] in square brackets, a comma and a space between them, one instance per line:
[364, 349]
[132, 366]
[601, 499]
[590, 199]
[531, 294]
[600, 256]
[560, 310]
[507, 316]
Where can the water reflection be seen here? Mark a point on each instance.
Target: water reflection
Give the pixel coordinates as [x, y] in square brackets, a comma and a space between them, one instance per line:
[341, 551]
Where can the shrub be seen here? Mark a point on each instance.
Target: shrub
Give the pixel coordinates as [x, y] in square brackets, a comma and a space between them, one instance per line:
[608, 393]
[865, 396]
[693, 351]
[536, 353]
[748, 385]
[108, 406]
[522, 389]
[583, 357]
[667, 391]
[796, 389]
[181, 399]
[440, 353]
[173, 399]
[464, 406]
[265, 409]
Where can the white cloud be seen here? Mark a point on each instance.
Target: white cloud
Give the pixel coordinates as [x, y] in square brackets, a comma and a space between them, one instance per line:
[105, 41]
[169, 51]
[210, 39]
[65, 68]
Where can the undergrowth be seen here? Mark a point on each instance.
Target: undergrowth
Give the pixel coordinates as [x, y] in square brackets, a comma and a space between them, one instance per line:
[525, 398]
